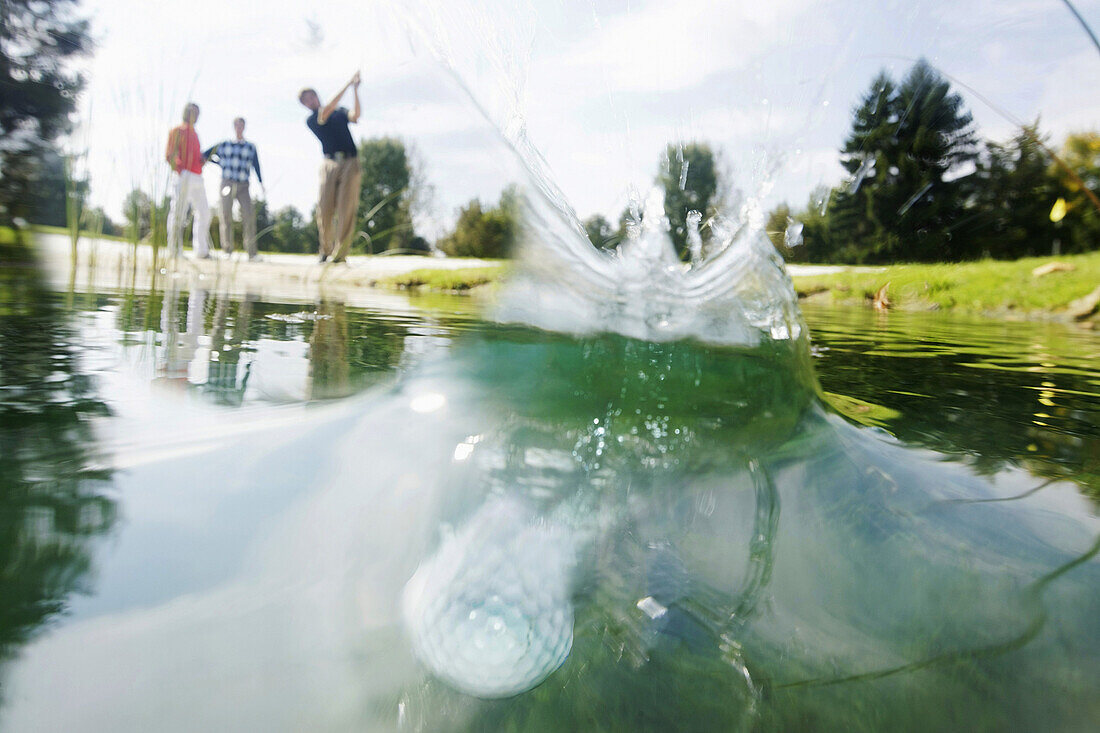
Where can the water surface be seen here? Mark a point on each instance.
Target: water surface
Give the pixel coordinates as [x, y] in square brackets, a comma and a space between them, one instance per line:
[213, 506]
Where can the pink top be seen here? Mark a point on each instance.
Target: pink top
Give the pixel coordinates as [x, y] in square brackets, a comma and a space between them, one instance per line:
[183, 149]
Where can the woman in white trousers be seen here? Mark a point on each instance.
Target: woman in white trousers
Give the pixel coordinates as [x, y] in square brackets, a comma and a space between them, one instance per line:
[184, 154]
[189, 191]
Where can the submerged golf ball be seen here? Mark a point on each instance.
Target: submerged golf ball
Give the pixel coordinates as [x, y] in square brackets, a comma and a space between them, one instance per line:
[490, 612]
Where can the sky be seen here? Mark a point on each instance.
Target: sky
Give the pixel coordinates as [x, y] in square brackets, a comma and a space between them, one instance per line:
[597, 87]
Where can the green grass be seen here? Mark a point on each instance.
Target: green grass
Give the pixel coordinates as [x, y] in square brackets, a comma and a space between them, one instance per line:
[988, 286]
[445, 280]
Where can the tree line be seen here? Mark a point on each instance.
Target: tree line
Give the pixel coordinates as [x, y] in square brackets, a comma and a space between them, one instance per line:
[922, 186]
[690, 176]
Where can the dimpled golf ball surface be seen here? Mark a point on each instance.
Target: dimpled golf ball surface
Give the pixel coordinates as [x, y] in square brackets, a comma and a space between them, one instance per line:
[489, 613]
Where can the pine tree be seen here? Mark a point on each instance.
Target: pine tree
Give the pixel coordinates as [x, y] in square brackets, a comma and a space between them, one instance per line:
[936, 138]
[903, 201]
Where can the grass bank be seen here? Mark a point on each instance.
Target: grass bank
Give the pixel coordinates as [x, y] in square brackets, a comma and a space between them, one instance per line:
[451, 281]
[990, 287]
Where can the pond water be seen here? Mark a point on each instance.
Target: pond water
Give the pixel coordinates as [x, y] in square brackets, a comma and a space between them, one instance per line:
[223, 512]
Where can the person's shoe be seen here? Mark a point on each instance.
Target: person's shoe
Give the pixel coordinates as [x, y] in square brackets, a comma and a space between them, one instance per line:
[323, 258]
[255, 258]
[339, 261]
[204, 257]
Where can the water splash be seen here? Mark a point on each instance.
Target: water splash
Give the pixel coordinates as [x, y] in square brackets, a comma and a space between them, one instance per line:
[737, 291]
[866, 168]
[792, 237]
[740, 295]
[490, 611]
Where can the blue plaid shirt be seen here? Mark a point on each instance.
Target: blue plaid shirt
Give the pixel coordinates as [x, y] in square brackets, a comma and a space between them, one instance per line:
[237, 159]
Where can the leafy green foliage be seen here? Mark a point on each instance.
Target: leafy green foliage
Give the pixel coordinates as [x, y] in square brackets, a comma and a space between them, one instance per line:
[140, 213]
[1080, 230]
[49, 204]
[776, 226]
[289, 232]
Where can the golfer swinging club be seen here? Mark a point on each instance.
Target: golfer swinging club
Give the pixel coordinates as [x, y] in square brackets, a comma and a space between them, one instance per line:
[338, 204]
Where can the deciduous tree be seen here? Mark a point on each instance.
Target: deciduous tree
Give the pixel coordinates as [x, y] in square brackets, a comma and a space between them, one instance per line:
[389, 193]
[38, 41]
[690, 183]
[482, 232]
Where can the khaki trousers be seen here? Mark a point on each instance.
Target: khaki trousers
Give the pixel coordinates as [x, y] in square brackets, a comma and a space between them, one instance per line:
[237, 190]
[338, 205]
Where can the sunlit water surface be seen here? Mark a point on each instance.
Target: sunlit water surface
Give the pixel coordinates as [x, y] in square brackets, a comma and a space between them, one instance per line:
[225, 513]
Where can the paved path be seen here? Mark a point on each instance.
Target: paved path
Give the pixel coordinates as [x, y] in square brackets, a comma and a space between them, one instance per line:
[103, 263]
[57, 248]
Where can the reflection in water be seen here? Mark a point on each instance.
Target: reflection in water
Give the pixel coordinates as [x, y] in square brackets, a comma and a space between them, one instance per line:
[329, 371]
[243, 350]
[997, 393]
[178, 349]
[226, 376]
[52, 485]
[187, 361]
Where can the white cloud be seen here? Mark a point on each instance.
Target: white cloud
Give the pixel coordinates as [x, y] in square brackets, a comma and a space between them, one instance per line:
[669, 46]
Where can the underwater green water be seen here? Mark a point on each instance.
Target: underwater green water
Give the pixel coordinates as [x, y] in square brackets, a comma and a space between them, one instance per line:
[211, 507]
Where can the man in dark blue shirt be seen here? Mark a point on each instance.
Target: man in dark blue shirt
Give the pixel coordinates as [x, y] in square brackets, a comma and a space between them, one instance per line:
[341, 175]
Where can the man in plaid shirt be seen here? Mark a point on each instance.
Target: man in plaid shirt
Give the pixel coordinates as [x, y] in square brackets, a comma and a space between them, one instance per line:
[237, 158]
